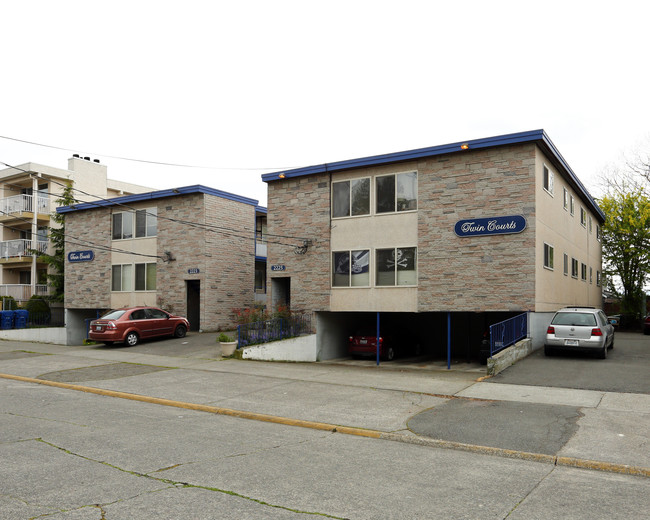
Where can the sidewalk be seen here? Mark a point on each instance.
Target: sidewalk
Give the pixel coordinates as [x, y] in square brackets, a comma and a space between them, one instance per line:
[417, 404]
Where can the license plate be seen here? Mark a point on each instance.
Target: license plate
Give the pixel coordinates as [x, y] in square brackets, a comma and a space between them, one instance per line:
[98, 328]
[363, 341]
[571, 342]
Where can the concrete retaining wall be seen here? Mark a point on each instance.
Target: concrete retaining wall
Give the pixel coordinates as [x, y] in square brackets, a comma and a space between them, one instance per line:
[56, 335]
[302, 348]
[509, 356]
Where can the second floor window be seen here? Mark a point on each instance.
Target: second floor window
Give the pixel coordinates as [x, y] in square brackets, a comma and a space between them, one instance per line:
[351, 198]
[141, 223]
[397, 192]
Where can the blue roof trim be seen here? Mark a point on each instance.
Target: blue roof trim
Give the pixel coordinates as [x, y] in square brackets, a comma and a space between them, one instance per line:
[260, 259]
[160, 194]
[536, 136]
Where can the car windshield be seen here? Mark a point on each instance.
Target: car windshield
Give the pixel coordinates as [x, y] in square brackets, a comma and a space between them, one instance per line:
[113, 315]
[576, 319]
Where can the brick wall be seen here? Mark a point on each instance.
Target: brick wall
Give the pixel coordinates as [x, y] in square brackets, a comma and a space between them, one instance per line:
[300, 208]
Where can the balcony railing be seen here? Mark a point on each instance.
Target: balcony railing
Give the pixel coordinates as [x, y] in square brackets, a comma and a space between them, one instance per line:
[22, 292]
[21, 247]
[19, 204]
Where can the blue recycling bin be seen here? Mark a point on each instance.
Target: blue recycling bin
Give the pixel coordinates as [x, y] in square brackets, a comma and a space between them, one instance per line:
[6, 320]
[20, 319]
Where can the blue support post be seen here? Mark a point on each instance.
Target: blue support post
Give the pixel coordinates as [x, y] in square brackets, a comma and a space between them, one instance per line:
[448, 340]
[378, 347]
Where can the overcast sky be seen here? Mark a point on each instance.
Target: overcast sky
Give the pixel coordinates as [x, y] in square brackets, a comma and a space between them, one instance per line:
[240, 88]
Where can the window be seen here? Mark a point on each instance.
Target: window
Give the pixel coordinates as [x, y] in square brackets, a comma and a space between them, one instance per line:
[591, 225]
[574, 268]
[548, 256]
[566, 264]
[566, 198]
[583, 272]
[351, 268]
[351, 198]
[583, 217]
[598, 278]
[122, 278]
[572, 206]
[591, 275]
[397, 192]
[122, 226]
[548, 180]
[598, 235]
[145, 277]
[146, 224]
[397, 266]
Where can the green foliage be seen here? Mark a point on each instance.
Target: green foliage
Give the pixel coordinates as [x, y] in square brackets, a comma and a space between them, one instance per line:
[56, 260]
[626, 245]
[37, 305]
[224, 338]
[8, 303]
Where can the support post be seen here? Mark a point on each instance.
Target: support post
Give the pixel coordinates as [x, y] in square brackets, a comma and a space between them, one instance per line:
[448, 340]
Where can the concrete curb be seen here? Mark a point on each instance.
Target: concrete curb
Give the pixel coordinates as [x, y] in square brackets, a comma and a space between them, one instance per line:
[350, 430]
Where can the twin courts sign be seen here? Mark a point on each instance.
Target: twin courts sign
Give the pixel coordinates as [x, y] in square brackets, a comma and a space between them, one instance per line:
[490, 226]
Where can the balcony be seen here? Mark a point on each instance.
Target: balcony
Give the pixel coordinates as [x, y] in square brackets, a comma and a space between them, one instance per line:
[20, 248]
[20, 204]
[22, 292]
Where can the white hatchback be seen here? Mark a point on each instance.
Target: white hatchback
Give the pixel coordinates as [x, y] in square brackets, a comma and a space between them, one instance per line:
[579, 329]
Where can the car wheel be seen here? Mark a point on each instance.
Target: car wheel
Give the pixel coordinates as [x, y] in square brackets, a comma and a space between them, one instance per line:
[390, 354]
[603, 353]
[131, 339]
[611, 345]
[548, 351]
[180, 331]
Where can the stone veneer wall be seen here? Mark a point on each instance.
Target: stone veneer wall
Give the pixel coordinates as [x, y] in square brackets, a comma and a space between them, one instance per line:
[489, 273]
[88, 284]
[300, 207]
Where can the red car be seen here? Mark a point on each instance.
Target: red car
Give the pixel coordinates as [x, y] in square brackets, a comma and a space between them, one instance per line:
[364, 344]
[133, 324]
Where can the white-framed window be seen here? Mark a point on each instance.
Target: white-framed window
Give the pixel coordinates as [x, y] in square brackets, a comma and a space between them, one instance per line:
[351, 198]
[583, 217]
[574, 268]
[396, 192]
[572, 205]
[396, 266]
[122, 277]
[351, 268]
[598, 233]
[591, 225]
[548, 256]
[548, 180]
[565, 199]
[583, 272]
[145, 277]
[598, 278]
[566, 264]
[591, 275]
[141, 223]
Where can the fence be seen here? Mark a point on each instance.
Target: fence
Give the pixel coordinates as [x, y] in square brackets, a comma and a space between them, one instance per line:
[508, 332]
[273, 330]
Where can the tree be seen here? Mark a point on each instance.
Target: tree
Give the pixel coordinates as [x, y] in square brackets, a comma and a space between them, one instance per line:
[626, 244]
[56, 260]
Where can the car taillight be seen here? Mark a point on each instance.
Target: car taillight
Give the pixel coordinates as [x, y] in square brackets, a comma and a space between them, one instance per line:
[381, 340]
[596, 332]
[550, 330]
[111, 325]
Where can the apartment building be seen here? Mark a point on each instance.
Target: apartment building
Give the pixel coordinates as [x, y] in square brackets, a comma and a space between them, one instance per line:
[28, 194]
[467, 233]
[194, 251]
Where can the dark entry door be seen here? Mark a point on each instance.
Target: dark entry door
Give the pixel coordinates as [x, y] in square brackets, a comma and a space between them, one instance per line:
[194, 303]
[281, 288]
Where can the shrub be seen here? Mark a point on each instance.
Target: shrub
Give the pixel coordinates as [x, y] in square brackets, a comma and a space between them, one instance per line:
[8, 303]
[224, 338]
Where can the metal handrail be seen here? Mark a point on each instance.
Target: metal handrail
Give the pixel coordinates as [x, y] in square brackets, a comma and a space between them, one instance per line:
[508, 332]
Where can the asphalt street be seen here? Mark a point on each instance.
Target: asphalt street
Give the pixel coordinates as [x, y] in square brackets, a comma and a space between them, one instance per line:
[520, 420]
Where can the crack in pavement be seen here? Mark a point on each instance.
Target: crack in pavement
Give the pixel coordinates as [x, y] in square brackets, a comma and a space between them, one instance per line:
[44, 419]
[180, 484]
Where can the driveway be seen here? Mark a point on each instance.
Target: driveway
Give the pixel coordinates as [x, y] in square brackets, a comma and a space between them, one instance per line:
[625, 370]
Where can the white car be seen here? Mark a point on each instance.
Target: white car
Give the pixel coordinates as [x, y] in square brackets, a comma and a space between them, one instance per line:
[583, 329]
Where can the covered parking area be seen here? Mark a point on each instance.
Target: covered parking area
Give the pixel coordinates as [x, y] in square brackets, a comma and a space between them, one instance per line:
[451, 336]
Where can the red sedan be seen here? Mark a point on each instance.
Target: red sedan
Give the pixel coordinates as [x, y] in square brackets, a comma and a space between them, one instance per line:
[130, 325]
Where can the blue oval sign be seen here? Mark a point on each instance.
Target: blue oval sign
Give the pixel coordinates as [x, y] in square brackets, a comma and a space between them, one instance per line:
[81, 256]
[490, 226]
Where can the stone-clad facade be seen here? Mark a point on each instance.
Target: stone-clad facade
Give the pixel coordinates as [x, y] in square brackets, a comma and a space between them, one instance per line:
[517, 175]
[204, 239]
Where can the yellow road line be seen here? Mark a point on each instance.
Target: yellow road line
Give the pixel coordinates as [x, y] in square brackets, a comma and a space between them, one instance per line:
[349, 430]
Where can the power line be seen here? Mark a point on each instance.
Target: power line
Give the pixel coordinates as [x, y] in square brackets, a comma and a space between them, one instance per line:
[145, 161]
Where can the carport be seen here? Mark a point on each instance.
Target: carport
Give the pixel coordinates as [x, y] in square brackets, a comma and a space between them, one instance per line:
[454, 336]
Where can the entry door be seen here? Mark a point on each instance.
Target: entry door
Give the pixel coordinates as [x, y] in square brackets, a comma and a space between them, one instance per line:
[193, 290]
[281, 288]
